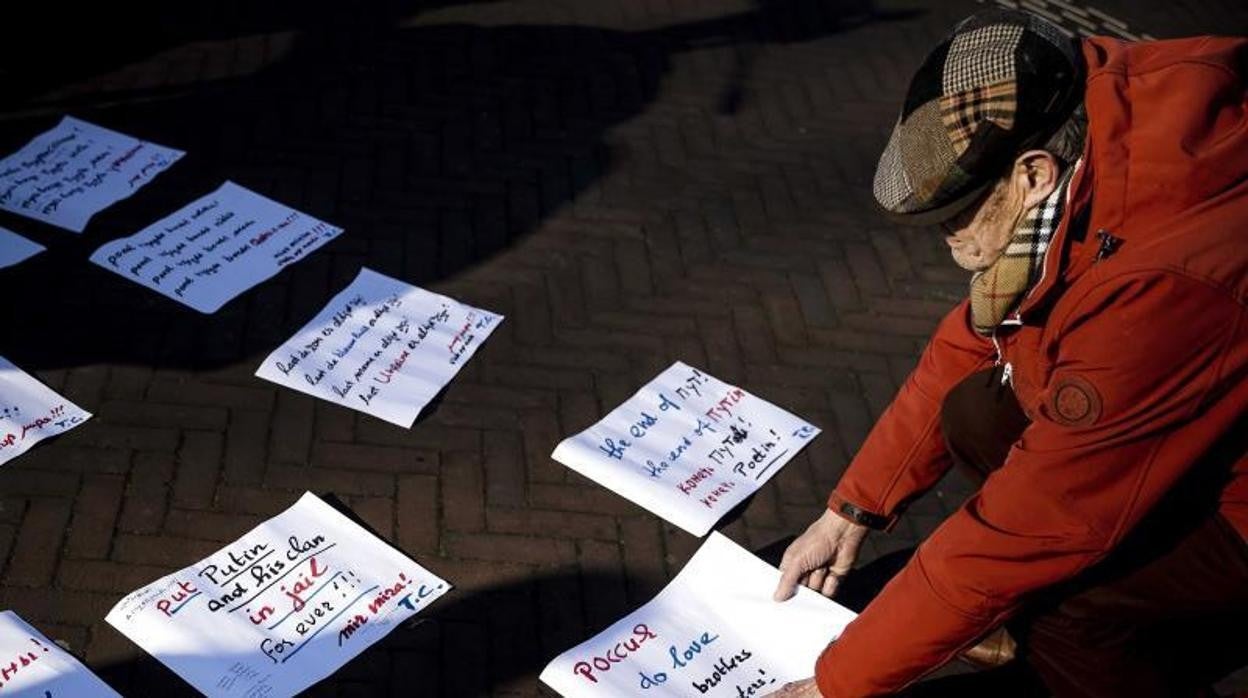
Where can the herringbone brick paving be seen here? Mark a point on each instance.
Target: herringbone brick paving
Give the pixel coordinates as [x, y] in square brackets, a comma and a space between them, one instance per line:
[630, 182]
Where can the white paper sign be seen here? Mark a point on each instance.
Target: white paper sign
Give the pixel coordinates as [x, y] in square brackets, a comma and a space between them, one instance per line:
[713, 631]
[216, 248]
[687, 446]
[279, 609]
[15, 249]
[72, 172]
[382, 347]
[32, 666]
[31, 412]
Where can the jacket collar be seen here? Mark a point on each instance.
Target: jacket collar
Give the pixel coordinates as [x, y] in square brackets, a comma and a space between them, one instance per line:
[1067, 256]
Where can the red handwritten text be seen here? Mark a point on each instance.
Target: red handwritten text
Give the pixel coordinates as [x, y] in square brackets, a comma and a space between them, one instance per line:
[304, 582]
[21, 661]
[184, 592]
[717, 494]
[616, 654]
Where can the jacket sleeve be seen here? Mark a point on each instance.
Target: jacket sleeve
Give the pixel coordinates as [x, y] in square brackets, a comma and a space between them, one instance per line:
[1148, 371]
[905, 453]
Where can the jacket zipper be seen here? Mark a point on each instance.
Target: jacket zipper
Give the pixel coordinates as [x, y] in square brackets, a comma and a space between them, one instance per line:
[1007, 370]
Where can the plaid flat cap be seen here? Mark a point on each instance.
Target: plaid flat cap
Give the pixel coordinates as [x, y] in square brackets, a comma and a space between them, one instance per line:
[1003, 82]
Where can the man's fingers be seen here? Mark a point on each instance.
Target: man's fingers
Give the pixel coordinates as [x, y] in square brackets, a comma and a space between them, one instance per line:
[795, 689]
[830, 585]
[783, 692]
[822, 580]
[843, 558]
[846, 554]
[842, 566]
[789, 578]
[815, 580]
[822, 550]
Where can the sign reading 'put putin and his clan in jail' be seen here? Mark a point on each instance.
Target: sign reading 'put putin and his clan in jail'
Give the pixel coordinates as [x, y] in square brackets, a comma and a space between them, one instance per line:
[31, 412]
[280, 608]
[687, 447]
[32, 666]
[68, 174]
[215, 248]
[713, 631]
[382, 347]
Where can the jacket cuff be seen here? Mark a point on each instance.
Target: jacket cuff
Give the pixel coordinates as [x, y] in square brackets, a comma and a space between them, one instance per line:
[860, 515]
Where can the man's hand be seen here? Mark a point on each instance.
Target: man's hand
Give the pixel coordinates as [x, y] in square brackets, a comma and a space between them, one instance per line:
[820, 556]
[797, 689]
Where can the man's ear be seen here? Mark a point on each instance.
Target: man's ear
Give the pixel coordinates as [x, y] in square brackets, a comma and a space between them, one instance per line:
[1036, 172]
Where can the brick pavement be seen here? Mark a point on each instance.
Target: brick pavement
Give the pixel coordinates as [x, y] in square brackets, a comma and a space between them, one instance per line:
[630, 182]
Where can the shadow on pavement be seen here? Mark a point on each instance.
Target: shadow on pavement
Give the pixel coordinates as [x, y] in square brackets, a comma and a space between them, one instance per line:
[58, 43]
[435, 147]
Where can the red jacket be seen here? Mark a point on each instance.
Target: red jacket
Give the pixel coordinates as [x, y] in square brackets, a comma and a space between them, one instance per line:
[1130, 367]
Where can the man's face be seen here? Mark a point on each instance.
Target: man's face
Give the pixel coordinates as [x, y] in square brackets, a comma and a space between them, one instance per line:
[978, 236]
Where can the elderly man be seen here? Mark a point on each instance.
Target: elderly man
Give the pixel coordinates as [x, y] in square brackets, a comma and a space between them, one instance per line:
[1093, 382]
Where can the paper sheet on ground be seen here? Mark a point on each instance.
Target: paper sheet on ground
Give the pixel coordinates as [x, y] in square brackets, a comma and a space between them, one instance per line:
[72, 172]
[382, 347]
[15, 249]
[280, 608]
[687, 446]
[713, 631]
[31, 412]
[32, 666]
[215, 248]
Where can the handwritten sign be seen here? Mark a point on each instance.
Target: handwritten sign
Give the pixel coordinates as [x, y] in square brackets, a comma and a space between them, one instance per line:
[31, 412]
[15, 249]
[382, 347]
[713, 631]
[687, 446]
[216, 248]
[280, 608]
[33, 666]
[72, 172]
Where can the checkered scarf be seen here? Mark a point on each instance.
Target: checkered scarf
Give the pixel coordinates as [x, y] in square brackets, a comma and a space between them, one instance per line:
[998, 289]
